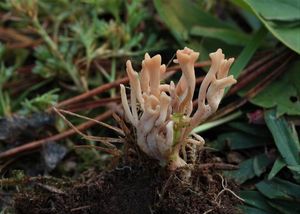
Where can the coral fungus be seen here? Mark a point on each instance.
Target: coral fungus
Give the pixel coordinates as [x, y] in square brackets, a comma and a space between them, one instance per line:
[162, 114]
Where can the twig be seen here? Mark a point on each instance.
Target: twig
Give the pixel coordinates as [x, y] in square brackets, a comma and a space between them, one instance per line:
[37, 144]
[92, 104]
[208, 211]
[114, 152]
[51, 189]
[80, 208]
[16, 40]
[162, 193]
[117, 130]
[199, 80]
[92, 92]
[87, 137]
[252, 72]
[224, 185]
[222, 166]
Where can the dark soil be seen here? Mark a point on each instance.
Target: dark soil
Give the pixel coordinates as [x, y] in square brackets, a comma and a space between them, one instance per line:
[134, 189]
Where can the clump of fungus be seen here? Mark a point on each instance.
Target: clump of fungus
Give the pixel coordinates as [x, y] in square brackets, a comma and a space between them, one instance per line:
[164, 121]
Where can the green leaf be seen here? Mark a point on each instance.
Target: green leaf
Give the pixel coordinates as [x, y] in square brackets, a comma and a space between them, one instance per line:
[239, 140]
[279, 189]
[285, 139]
[242, 4]
[247, 53]
[295, 168]
[296, 172]
[283, 10]
[256, 199]
[255, 130]
[286, 207]
[181, 15]
[287, 90]
[260, 164]
[229, 36]
[246, 170]
[25, 93]
[244, 173]
[40, 103]
[208, 45]
[277, 166]
[269, 11]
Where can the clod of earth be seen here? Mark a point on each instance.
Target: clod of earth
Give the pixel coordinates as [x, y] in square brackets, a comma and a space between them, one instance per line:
[134, 189]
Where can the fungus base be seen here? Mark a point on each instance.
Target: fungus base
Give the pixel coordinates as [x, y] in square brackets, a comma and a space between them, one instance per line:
[134, 188]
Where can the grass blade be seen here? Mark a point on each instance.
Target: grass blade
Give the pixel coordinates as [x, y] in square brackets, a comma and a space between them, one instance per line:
[285, 139]
[248, 52]
[230, 36]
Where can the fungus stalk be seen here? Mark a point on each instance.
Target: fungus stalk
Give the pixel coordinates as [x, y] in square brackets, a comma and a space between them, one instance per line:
[162, 113]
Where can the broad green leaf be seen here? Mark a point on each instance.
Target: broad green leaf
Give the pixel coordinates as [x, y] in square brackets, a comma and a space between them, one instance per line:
[295, 168]
[246, 12]
[244, 173]
[229, 36]
[255, 130]
[285, 139]
[281, 10]
[256, 199]
[242, 4]
[260, 164]
[246, 170]
[287, 91]
[277, 166]
[296, 172]
[189, 14]
[239, 140]
[286, 206]
[279, 189]
[181, 15]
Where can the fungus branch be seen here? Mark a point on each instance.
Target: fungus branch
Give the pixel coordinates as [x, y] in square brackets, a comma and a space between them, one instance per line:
[164, 122]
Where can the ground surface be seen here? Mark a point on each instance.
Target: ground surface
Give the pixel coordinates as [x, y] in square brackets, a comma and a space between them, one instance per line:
[134, 189]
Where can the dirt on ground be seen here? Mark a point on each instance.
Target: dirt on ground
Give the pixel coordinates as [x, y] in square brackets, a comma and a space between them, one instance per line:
[135, 188]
